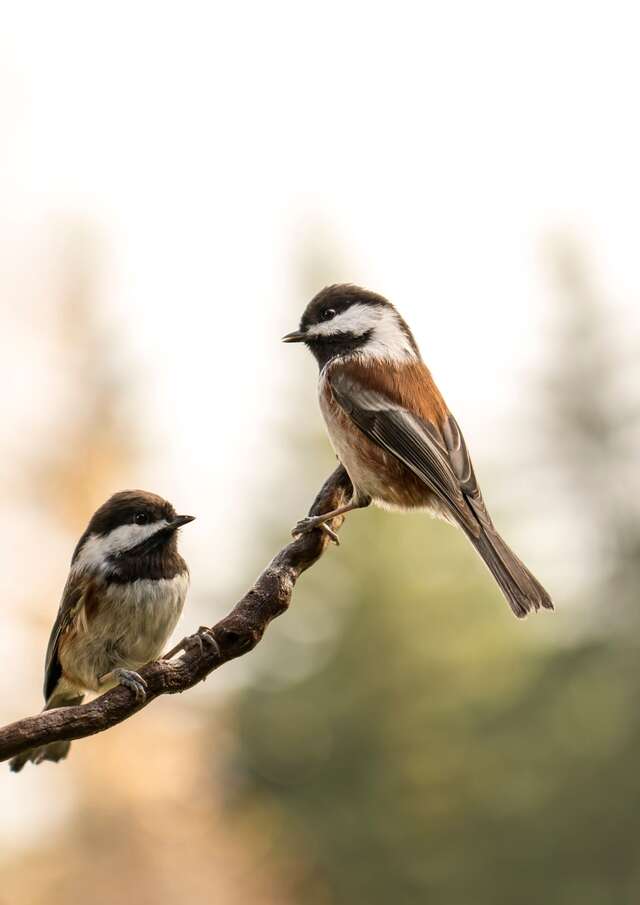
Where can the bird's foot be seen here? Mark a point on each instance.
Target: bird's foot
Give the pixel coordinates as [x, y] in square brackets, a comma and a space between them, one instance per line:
[311, 523]
[132, 681]
[204, 637]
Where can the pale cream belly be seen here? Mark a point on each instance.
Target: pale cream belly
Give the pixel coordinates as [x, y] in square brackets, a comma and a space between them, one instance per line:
[130, 628]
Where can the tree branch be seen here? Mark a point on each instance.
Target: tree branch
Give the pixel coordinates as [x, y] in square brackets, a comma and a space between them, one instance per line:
[235, 635]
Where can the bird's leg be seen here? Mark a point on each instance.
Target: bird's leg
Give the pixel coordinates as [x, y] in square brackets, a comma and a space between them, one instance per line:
[320, 521]
[129, 679]
[203, 637]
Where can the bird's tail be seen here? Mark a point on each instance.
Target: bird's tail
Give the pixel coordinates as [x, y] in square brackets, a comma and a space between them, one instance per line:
[523, 591]
[54, 751]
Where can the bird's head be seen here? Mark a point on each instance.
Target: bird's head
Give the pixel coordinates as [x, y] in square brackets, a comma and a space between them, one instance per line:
[344, 319]
[131, 524]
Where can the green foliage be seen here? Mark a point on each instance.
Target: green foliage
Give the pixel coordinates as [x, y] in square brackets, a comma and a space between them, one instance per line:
[441, 751]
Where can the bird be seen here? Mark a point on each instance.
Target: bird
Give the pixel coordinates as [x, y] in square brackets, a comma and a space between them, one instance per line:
[125, 591]
[393, 433]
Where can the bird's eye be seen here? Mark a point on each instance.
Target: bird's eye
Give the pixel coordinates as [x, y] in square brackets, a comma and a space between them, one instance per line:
[140, 518]
[327, 314]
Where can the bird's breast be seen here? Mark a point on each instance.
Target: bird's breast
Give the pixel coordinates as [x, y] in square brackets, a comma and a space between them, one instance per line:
[128, 625]
[374, 471]
[145, 611]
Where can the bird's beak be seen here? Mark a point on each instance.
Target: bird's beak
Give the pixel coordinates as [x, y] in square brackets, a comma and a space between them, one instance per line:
[181, 520]
[159, 538]
[298, 336]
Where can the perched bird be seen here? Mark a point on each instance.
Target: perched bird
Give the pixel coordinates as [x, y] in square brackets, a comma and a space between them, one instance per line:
[125, 592]
[392, 431]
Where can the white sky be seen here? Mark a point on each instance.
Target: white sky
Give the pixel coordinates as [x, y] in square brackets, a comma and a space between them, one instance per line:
[437, 143]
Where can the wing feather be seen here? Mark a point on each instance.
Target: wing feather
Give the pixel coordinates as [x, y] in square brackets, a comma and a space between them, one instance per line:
[72, 600]
[437, 454]
[439, 458]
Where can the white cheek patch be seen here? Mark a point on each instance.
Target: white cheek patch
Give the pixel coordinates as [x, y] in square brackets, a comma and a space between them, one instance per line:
[97, 548]
[388, 339]
[356, 319]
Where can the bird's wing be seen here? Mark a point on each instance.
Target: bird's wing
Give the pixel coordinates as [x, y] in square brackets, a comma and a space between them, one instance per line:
[436, 454]
[73, 598]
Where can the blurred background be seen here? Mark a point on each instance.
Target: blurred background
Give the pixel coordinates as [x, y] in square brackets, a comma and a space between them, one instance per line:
[176, 181]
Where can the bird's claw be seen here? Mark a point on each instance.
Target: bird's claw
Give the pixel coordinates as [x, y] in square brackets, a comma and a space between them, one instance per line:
[331, 534]
[204, 637]
[310, 524]
[133, 682]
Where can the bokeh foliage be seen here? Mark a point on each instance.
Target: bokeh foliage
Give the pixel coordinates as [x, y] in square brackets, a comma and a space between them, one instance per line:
[428, 747]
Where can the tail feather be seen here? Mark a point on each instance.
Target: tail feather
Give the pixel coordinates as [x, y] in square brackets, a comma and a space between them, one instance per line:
[54, 751]
[523, 591]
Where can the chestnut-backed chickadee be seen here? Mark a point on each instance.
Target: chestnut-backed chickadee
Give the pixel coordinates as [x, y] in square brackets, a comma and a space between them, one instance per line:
[125, 592]
[393, 432]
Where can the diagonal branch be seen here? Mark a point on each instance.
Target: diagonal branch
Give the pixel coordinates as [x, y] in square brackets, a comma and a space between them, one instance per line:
[235, 635]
